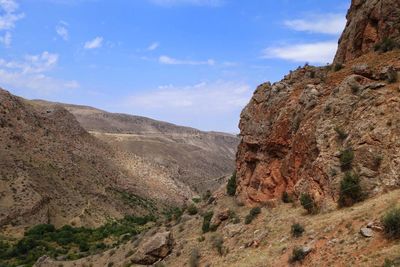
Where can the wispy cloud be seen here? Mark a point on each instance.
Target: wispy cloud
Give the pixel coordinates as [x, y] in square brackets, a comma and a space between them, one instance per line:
[216, 105]
[212, 3]
[153, 46]
[62, 30]
[30, 73]
[8, 18]
[319, 52]
[323, 23]
[173, 61]
[95, 43]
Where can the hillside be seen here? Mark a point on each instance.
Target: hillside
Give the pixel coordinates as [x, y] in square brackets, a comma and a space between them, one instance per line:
[53, 171]
[196, 158]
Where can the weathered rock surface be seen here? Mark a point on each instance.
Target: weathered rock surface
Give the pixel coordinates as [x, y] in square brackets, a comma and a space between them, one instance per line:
[369, 23]
[155, 248]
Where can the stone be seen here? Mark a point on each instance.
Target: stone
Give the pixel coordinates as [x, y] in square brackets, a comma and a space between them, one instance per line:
[232, 230]
[366, 232]
[154, 248]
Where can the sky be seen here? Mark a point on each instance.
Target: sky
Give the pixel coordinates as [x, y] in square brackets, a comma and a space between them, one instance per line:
[190, 62]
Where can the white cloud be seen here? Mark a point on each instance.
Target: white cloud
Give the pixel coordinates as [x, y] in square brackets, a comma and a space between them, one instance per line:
[326, 24]
[62, 30]
[319, 52]
[153, 46]
[173, 61]
[95, 43]
[8, 18]
[212, 3]
[207, 105]
[30, 73]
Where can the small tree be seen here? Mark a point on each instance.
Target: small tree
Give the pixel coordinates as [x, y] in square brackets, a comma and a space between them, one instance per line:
[298, 254]
[308, 203]
[350, 190]
[286, 198]
[231, 186]
[346, 159]
[192, 209]
[206, 221]
[252, 215]
[297, 230]
[391, 223]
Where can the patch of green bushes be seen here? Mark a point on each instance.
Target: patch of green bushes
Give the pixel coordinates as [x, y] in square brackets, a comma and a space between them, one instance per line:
[391, 223]
[252, 215]
[231, 186]
[192, 209]
[297, 230]
[350, 190]
[346, 159]
[298, 254]
[308, 203]
[206, 221]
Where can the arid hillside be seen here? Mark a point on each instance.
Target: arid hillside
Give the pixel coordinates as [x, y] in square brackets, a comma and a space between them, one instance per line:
[199, 159]
[54, 171]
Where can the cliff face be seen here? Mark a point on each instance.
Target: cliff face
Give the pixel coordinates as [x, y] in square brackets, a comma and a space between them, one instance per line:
[293, 132]
[370, 22]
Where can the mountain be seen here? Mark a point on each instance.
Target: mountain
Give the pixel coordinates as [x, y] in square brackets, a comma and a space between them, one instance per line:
[195, 158]
[302, 134]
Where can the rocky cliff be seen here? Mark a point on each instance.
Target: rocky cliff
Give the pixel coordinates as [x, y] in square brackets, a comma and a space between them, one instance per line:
[371, 23]
[294, 132]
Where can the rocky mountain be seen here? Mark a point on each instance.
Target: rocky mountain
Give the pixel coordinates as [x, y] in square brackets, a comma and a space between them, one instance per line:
[199, 159]
[300, 135]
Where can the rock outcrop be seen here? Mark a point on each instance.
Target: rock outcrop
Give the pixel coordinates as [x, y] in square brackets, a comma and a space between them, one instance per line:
[370, 22]
[294, 131]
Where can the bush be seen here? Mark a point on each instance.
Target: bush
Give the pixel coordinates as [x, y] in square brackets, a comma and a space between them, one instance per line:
[391, 223]
[337, 67]
[252, 215]
[174, 213]
[350, 190]
[286, 198]
[386, 45]
[231, 186]
[297, 230]
[233, 217]
[206, 196]
[342, 135]
[206, 221]
[346, 159]
[392, 76]
[377, 161]
[196, 200]
[308, 203]
[192, 210]
[194, 258]
[40, 230]
[298, 254]
[218, 243]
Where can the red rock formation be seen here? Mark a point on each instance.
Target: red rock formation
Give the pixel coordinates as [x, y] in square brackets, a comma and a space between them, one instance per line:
[369, 23]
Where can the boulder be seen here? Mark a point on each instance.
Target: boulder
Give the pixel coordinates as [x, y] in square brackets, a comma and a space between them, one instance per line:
[153, 249]
[366, 232]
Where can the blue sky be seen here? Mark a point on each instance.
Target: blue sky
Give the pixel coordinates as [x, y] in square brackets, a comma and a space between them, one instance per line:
[189, 62]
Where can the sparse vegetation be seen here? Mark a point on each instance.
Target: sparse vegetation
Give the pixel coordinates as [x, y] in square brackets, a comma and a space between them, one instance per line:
[218, 244]
[377, 161]
[206, 221]
[308, 203]
[233, 217]
[231, 186]
[392, 75]
[298, 254]
[174, 213]
[196, 200]
[194, 260]
[386, 45]
[297, 230]
[192, 209]
[346, 159]
[391, 223]
[252, 215]
[206, 196]
[337, 67]
[286, 198]
[342, 135]
[350, 190]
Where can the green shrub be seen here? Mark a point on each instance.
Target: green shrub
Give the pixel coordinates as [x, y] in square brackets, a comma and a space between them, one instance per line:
[40, 230]
[337, 67]
[298, 254]
[231, 186]
[206, 221]
[252, 215]
[346, 159]
[196, 200]
[174, 213]
[350, 190]
[308, 203]
[194, 260]
[391, 223]
[386, 45]
[297, 230]
[342, 135]
[233, 217]
[192, 209]
[286, 198]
